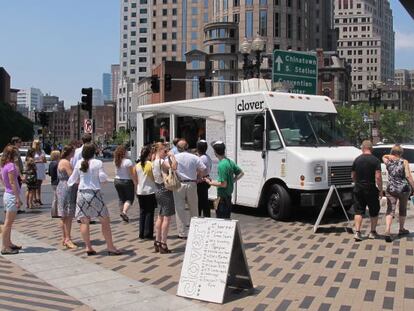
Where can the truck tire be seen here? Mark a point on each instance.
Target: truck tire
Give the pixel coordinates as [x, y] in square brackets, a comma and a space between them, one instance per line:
[279, 203]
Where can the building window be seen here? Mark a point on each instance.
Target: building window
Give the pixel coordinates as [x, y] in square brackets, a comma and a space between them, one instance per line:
[164, 24]
[133, 52]
[142, 59]
[263, 23]
[142, 69]
[142, 40]
[164, 36]
[276, 26]
[164, 12]
[143, 20]
[249, 2]
[289, 26]
[164, 48]
[174, 48]
[194, 11]
[194, 23]
[263, 2]
[195, 64]
[299, 28]
[143, 30]
[194, 35]
[174, 23]
[143, 11]
[174, 35]
[133, 33]
[249, 24]
[174, 11]
[142, 50]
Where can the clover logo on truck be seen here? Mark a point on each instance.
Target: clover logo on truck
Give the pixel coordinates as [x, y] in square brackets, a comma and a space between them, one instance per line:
[248, 106]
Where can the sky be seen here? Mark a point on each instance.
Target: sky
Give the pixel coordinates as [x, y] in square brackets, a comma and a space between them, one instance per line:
[61, 46]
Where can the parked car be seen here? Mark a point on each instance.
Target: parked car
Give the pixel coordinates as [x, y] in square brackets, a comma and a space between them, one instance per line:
[381, 150]
[108, 151]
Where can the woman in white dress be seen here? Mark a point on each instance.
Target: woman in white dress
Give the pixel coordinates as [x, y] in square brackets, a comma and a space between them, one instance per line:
[40, 160]
[89, 202]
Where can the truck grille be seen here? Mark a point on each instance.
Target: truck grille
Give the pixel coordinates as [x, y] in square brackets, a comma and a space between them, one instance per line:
[339, 175]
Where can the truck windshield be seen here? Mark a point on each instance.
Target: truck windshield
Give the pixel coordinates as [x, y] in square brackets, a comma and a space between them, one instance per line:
[303, 128]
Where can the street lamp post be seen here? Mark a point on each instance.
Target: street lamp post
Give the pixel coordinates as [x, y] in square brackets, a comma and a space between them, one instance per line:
[258, 47]
[374, 98]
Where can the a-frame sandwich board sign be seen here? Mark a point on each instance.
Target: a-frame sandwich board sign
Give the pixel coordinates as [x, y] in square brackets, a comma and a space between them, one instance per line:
[214, 259]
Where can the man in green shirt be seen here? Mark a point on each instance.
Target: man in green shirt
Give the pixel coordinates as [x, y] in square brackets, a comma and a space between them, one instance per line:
[228, 173]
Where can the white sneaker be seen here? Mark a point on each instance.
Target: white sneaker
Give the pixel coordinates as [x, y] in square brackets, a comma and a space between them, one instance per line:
[358, 236]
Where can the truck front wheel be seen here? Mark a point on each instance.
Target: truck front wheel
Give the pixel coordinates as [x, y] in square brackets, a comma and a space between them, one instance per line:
[279, 203]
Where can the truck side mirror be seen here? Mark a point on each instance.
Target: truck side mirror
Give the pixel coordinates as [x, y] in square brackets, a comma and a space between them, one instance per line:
[258, 136]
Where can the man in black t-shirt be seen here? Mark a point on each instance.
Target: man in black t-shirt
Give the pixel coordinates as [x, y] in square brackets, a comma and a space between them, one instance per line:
[366, 173]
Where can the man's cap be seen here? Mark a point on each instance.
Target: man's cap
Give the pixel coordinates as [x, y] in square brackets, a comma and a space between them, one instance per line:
[217, 143]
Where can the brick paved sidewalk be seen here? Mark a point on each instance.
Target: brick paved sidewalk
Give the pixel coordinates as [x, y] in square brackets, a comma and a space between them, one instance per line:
[21, 290]
[292, 268]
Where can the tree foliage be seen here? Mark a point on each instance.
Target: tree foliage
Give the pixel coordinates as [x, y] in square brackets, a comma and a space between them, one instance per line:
[12, 124]
[120, 137]
[394, 126]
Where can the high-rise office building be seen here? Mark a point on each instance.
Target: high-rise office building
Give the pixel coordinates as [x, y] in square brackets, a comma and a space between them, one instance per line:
[97, 97]
[153, 31]
[366, 39]
[107, 86]
[115, 74]
[31, 98]
[292, 24]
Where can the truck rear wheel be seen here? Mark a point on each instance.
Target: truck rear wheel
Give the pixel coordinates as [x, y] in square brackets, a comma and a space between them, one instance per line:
[278, 203]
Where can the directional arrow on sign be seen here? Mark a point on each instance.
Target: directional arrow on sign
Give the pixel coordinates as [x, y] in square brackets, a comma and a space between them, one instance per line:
[279, 62]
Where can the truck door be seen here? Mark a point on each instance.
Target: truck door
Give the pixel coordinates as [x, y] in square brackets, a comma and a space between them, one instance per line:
[251, 157]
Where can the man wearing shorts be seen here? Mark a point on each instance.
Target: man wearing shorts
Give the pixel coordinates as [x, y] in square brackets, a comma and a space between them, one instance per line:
[366, 174]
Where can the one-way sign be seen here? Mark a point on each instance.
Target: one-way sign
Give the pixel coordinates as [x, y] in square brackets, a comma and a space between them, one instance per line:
[298, 69]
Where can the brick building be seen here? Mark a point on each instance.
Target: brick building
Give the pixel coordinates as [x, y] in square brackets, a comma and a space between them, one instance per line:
[334, 76]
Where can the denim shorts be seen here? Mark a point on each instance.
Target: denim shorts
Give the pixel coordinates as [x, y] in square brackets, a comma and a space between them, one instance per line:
[9, 202]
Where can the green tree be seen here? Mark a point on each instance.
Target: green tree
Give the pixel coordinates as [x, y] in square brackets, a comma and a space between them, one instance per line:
[12, 124]
[121, 137]
[351, 120]
[395, 126]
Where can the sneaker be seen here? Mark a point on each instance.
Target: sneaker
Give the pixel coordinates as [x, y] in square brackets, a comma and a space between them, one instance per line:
[358, 236]
[388, 238]
[373, 235]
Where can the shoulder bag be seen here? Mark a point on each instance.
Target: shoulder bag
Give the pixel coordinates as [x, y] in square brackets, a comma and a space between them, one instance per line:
[171, 181]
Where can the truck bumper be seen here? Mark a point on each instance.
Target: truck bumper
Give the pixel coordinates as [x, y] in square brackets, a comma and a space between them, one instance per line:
[317, 198]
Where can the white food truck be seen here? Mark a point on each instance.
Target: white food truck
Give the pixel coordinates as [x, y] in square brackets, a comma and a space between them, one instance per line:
[288, 145]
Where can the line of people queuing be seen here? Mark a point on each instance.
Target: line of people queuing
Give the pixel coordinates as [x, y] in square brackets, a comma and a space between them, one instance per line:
[76, 178]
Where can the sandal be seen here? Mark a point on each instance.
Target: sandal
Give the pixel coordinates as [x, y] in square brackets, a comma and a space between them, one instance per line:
[70, 245]
[124, 217]
[164, 249]
[157, 246]
[403, 231]
[15, 247]
[91, 253]
[114, 253]
[9, 251]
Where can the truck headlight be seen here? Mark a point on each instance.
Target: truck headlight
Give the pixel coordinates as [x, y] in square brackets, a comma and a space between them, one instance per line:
[318, 169]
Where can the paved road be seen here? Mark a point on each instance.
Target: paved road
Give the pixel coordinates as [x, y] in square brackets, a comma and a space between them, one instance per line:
[292, 268]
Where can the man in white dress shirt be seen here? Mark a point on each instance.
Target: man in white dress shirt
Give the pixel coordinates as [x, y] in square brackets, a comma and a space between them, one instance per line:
[189, 165]
[86, 138]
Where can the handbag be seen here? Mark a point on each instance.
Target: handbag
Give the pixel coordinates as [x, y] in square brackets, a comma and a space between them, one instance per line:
[171, 181]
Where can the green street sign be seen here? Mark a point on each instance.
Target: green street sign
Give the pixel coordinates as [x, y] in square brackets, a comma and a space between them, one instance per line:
[298, 69]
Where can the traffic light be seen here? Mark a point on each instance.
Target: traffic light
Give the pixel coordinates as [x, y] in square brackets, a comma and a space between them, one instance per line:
[87, 100]
[202, 84]
[167, 82]
[155, 84]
